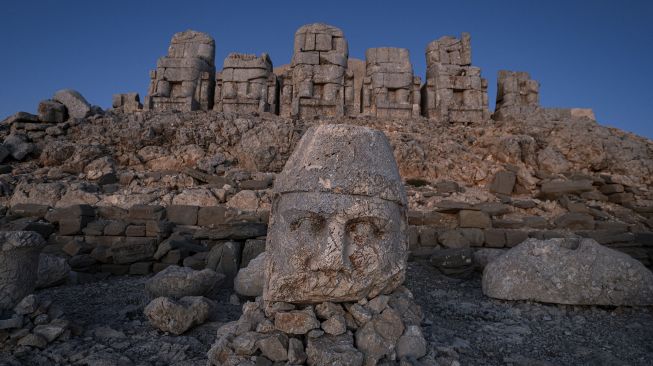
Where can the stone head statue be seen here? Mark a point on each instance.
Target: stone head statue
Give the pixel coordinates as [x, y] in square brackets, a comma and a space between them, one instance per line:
[338, 226]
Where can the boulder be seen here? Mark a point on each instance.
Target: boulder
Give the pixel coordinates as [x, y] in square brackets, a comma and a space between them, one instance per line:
[18, 146]
[249, 280]
[178, 282]
[179, 316]
[52, 271]
[568, 271]
[75, 103]
[52, 111]
[19, 261]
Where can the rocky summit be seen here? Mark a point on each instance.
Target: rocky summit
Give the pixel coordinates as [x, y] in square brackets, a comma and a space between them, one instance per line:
[331, 211]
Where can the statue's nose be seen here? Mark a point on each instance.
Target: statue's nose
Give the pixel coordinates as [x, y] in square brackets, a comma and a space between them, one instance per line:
[333, 249]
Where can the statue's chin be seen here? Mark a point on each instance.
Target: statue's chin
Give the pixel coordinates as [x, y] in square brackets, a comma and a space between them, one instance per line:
[337, 286]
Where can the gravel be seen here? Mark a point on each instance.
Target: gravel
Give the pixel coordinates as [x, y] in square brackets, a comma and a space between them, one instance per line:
[462, 326]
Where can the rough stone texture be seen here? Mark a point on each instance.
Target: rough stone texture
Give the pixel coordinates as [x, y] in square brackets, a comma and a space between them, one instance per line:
[52, 271]
[341, 193]
[127, 102]
[296, 321]
[389, 87]
[184, 80]
[52, 111]
[19, 261]
[517, 95]
[177, 282]
[177, 316]
[318, 82]
[75, 103]
[246, 84]
[454, 90]
[249, 280]
[333, 350]
[568, 271]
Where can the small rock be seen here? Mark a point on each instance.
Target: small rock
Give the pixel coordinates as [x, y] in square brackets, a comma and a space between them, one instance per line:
[296, 321]
[179, 316]
[178, 282]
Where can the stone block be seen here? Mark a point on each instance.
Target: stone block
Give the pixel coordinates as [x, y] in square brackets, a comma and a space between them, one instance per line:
[30, 210]
[503, 182]
[146, 212]
[495, 238]
[115, 269]
[514, 237]
[575, 221]
[135, 230]
[73, 226]
[133, 250]
[212, 216]
[140, 268]
[182, 214]
[115, 228]
[52, 111]
[473, 219]
[428, 236]
[475, 236]
[225, 258]
[251, 249]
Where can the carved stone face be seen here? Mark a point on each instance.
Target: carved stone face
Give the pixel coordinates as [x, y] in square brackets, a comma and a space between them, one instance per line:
[333, 247]
[337, 230]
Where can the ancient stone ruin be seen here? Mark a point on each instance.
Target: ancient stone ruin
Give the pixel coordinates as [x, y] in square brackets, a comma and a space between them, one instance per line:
[517, 94]
[331, 211]
[246, 84]
[317, 83]
[184, 80]
[336, 256]
[454, 90]
[390, 89]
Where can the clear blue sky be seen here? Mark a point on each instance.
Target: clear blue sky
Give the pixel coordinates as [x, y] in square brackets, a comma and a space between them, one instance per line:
[595, 54]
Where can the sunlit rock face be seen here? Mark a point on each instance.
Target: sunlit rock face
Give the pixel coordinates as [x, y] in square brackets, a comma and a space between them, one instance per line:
[338, 225]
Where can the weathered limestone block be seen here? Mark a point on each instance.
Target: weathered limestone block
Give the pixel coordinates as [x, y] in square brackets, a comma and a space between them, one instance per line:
[568, 271]
[318, 82]
[19, 262]
[389, 87]
[184, 80]
[177, 282]
[177, 316]
[454, 90]
[246, 84]
[52, 111]
[338, 226]
[517, 95]
[126, 103]
[75, 103]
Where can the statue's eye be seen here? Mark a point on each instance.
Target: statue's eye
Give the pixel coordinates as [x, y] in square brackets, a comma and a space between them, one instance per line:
[313, 223]
[360, 231]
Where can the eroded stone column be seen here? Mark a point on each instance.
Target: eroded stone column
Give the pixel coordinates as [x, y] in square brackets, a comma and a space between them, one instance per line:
[318, 82]
[454, 90]
[389, 87]
[246, 84]
[184, 80]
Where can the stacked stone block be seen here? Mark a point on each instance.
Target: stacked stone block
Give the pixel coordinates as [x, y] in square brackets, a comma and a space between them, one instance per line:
[517, 94]
[246, 85]
[184, 80]
[389, 87]
[318, 82]
[454, 90]
[127, 102]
